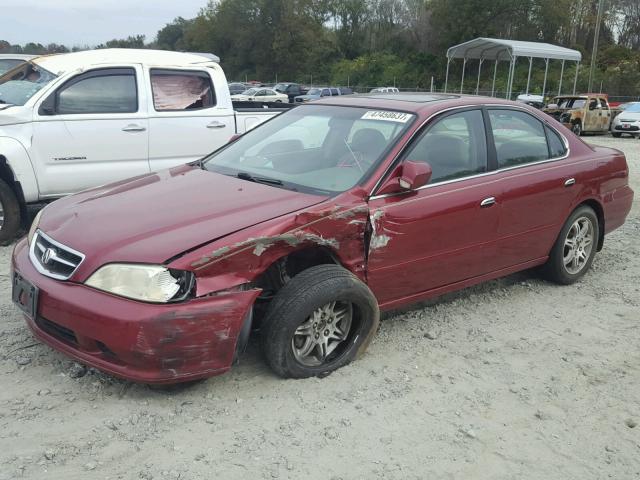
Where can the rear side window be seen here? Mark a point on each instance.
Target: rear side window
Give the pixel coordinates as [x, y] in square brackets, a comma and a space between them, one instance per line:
[556, 145]
[334, 91]
[176, 90]
[100, 91]
[454, 147]
[519, 138]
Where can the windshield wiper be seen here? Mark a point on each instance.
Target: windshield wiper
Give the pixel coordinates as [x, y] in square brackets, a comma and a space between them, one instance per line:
[253, 178]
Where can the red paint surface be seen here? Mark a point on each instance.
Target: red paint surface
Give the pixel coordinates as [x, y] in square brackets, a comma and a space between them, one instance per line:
[228, 232]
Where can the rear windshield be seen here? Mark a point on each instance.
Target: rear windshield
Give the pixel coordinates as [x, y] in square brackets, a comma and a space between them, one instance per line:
[21, 83]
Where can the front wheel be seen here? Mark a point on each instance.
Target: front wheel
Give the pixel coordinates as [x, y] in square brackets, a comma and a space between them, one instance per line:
[616, 134]
[575, 247]
[577, 128]
[9, 214]
[321, 320]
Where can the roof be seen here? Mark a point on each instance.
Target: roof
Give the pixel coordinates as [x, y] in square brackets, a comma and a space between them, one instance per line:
[67, 62]
[499, 49]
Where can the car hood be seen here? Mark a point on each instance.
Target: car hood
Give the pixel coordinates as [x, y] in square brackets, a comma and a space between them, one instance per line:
[155, 217]
[14, 114]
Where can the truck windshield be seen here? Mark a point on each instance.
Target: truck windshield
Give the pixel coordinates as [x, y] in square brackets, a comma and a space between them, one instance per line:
[315, 149]
[21, 83]
[571, 102]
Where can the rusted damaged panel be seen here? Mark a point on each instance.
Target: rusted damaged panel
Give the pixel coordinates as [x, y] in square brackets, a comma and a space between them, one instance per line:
[241, 257]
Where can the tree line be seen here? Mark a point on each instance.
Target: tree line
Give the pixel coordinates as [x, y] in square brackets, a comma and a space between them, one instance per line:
[395, 42]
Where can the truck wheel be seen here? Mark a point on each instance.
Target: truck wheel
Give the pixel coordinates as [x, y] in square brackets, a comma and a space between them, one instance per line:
[321, 320]
[616, 134]
[9, 214]
[577, 128]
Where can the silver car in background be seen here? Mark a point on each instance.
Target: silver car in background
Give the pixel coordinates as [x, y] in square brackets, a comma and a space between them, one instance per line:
[627, 121]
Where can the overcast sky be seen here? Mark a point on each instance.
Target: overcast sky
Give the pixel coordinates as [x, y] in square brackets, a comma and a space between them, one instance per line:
[88, 22]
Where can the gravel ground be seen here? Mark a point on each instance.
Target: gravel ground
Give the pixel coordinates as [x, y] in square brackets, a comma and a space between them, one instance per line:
[512, 379]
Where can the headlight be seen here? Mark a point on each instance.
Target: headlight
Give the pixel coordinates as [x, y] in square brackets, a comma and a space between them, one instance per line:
[149, 283]
[34, 226]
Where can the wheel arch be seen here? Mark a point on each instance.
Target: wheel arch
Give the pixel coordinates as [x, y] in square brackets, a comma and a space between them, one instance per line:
[8, 176]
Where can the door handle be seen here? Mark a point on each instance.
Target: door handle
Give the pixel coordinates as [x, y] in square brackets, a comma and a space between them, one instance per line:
[132, 127]
[216, 124]
[487, 202]
[569, 181]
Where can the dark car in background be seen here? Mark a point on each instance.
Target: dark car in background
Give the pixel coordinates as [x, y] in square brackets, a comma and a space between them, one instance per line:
[236, 88]
[292, 90]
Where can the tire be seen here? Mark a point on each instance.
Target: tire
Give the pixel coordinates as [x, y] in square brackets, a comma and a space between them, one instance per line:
[10, 214]
[278, 101]
[559, 267]
[577, 128]
[303, 305]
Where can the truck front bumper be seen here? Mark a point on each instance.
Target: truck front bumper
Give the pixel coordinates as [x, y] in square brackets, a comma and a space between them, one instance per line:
[142, 342]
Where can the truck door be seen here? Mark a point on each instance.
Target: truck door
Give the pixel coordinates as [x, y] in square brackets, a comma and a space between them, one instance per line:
[186, 118]
[91, 130]
[592, 114]
[605, 118]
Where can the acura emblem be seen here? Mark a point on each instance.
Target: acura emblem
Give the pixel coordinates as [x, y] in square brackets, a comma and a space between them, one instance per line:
[47, 255]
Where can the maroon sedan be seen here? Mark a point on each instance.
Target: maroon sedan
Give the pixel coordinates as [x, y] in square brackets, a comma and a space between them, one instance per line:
[307, 227]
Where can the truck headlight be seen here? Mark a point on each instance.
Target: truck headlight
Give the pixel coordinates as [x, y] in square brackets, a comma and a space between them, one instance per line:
[34, 226]
[148, 283]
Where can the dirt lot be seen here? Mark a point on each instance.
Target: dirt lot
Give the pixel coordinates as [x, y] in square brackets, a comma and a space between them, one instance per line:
[513, 379]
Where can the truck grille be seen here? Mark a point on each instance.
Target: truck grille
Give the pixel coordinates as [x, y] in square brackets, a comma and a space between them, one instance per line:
[52, 258]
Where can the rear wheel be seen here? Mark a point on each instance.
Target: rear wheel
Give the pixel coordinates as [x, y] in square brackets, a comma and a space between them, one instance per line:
[616, 134]
[321, 320]
[9, 214]
[577, 128]
[575, 248]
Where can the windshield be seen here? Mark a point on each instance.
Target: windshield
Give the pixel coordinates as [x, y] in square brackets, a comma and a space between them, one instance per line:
[570, 102]
[18, 85]
[631, 107]
[281, 87]
[314, 91]
[314, 149]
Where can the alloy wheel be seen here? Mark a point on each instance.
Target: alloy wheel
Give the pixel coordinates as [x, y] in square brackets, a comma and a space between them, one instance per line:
[317, 340]
[578, 245]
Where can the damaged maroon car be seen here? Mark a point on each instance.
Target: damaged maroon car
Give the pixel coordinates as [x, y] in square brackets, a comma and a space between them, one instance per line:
[309, 225]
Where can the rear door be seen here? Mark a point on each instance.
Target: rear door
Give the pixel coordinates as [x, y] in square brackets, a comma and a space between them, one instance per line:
[444, 232]
[537, 185]
[605, 114]
[185, 120]
[91, 130]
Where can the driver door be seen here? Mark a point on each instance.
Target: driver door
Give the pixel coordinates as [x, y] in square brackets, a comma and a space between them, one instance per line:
[444, 232]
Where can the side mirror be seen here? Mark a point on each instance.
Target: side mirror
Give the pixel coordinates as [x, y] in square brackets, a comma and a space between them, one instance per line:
[409, 175]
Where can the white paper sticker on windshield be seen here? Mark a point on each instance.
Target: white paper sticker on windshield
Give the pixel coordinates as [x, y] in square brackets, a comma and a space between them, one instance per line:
[387, 116]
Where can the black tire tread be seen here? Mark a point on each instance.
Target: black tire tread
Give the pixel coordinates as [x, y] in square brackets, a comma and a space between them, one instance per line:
[11, 207]
[303, 287]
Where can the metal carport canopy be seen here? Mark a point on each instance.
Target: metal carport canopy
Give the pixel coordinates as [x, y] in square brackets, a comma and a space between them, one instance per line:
[497, 49]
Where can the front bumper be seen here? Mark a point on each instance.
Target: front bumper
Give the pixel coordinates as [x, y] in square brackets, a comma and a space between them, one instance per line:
[148, 343]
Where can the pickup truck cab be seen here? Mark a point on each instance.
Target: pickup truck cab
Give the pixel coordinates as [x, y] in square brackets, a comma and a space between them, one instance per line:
[581, 113]
[291, 90]
[74, 121]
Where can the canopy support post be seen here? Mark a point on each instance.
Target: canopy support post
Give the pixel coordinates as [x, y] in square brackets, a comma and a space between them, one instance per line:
[479, 70]
[464, 63]
[560, 84]
[495, 72]
[575, 80]
[544, 82]
[513, 73]
[446, 76]
[529, 76]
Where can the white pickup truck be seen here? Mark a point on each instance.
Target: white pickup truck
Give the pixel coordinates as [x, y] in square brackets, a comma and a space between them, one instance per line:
[74, 121]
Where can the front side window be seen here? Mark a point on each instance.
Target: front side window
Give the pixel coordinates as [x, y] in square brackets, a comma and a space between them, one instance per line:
[100, 91]
[313, 148]
[518, 136]
[21, 83]
[176, 90]
[454, 147]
